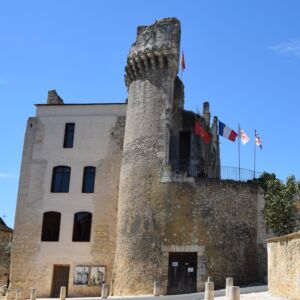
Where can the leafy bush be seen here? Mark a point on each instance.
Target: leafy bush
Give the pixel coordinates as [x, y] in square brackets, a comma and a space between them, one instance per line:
[279, 211]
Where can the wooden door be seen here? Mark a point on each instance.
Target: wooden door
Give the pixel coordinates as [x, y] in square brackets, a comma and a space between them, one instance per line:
[182, 277]
[60, 278]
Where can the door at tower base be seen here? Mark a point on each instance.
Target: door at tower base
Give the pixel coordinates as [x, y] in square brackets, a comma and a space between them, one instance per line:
[182, 277]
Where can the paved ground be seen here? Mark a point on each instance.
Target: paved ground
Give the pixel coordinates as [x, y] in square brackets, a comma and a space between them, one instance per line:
[249, 293]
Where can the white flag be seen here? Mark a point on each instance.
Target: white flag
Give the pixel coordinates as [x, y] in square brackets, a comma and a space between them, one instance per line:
[244, 137]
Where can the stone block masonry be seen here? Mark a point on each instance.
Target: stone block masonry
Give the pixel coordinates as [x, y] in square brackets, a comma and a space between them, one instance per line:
[150, 75]
[218, 219]
[33, 260]
[284, 266]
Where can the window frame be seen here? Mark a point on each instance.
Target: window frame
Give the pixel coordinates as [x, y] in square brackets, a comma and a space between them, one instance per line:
[82, 236]
[46, 224]
[69, 131]
[84, 188]
[55, 173]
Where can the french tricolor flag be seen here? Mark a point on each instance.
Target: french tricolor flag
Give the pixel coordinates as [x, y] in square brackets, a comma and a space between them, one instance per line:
[227, 132]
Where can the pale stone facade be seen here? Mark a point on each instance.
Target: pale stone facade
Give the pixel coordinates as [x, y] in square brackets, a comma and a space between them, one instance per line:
[284, 266]
[158, 197]
[97, 142]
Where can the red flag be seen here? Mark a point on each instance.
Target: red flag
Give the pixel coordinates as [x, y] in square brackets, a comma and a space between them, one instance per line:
[182, 62]
[202, 133]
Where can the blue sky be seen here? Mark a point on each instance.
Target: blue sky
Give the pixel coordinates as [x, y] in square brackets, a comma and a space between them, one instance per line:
[241, 56]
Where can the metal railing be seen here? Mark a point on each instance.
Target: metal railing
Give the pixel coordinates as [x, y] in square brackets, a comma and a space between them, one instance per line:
[238, 174]
[193, 168]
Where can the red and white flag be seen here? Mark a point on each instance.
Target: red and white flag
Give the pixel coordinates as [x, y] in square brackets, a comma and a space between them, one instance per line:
[182, 62]
[206, 137]
[258, 141]
[244, 137]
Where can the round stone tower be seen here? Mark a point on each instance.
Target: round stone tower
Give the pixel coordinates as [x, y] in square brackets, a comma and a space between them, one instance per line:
[151, 69]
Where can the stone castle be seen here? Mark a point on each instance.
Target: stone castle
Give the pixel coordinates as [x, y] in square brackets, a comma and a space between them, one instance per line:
[127, 194]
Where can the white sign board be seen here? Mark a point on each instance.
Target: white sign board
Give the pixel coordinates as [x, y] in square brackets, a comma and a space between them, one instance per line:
[97, 275]
[174, 263]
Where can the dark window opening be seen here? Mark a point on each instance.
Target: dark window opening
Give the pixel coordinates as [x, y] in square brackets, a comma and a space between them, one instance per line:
[88, 179]
[51, 225]
[82, 227]
[69, 135]
[184, 145]
[60, 179]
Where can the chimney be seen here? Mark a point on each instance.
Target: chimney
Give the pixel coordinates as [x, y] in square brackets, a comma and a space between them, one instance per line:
[53, 98]
[206, 113]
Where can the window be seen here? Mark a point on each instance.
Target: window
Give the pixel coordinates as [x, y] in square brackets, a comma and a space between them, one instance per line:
[82, 227]
[184, 145]
[51, 225]
[60, 179]
[69, 135]
[88, 179]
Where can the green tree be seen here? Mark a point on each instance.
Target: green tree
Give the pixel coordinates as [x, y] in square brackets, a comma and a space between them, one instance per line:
[279, 211]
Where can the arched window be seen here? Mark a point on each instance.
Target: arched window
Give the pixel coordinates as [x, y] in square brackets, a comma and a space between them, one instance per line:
[51, 226]
[88, 179]
[60, 179]
[82, 227]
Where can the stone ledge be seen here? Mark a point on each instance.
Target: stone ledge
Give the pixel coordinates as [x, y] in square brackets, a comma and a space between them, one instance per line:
[183, 248]
[285, 238]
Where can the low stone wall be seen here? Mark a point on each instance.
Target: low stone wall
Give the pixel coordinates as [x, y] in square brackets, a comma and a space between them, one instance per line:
[284, 266]
[5, 239]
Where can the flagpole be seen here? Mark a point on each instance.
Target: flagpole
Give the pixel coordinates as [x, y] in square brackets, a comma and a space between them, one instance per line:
[239, 151]
[254, 153]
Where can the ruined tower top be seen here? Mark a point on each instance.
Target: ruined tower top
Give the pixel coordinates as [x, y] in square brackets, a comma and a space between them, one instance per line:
[156, 47]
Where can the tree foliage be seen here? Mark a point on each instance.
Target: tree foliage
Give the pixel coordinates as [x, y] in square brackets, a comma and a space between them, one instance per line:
[279, 211]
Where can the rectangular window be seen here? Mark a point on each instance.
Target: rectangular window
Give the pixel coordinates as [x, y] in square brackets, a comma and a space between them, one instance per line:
[184, 144]
[60, 179]
[88, 179]
[69, 135]
[82, 227]
[51, 224]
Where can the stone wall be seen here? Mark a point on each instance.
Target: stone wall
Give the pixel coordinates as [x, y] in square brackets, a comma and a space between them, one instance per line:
[219, 220]
[98, 142]
[5, 243]
[216, 219]
[284, 266]
[151, 69]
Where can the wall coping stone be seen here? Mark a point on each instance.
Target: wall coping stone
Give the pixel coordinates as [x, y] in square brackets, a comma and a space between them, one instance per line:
[285, 238]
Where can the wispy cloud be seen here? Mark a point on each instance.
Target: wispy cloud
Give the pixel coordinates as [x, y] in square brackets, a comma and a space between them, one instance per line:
[7, 175]
[288, 48]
